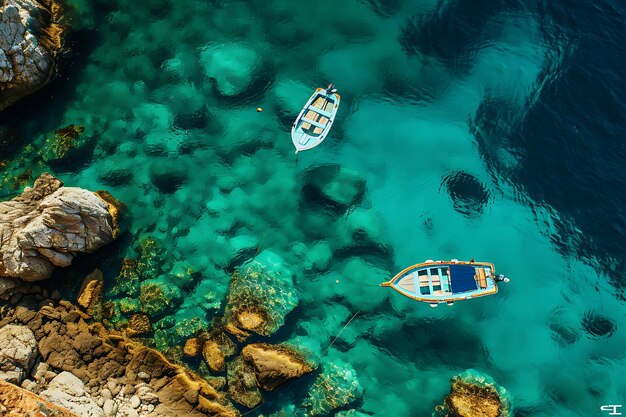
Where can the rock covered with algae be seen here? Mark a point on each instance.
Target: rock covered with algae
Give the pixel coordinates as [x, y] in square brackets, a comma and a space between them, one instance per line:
[62, 141]
[336, 387]
[30, 37]
[260, 295]
[157, 297]
[48, 225]
[473, 394]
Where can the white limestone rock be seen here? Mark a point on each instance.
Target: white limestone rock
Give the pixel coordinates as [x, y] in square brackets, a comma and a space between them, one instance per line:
[18, 350]
[48, 225]
[69, 392]
[25, 64]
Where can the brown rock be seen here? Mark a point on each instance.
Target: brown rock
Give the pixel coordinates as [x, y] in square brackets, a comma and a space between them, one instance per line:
[241, 335]
[193, 347]
[96, 355]
[250, 320]
[15, 401]
[90, 294]
[275, 364]
[115, 208]
[213, 356]
[470, 400]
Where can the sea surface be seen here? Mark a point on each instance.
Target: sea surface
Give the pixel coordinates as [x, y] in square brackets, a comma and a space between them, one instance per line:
[491, 130]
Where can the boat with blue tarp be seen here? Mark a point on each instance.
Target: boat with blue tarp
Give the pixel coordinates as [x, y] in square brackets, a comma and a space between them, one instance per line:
[436, 282]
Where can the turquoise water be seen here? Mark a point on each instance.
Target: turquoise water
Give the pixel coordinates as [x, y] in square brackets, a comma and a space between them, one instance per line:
[168, 91]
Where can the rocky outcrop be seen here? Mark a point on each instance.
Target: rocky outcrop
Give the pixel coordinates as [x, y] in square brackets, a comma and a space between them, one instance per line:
[15, 401]
[275, 364]
[94, 372]
[474, 394]
[48, 225]
[30, 37]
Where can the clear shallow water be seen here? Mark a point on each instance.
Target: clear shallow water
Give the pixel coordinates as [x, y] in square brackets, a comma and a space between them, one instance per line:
[429, 90]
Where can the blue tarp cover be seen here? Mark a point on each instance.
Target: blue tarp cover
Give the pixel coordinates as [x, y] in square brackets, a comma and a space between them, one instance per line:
[462, 278]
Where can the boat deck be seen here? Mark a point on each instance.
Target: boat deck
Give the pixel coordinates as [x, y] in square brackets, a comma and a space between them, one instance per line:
[316, 118]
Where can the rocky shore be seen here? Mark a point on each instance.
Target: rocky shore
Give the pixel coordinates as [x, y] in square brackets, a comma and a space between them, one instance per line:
[86, 357]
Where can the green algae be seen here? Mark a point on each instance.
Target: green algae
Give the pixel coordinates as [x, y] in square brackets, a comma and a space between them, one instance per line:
[58, 144]
[157, 298]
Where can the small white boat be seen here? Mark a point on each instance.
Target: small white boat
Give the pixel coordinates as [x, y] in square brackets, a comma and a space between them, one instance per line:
[316, 118]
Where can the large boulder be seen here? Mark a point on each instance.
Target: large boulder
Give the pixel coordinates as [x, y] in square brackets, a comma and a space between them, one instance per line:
[18, 349]
[275, 364]
[69, 392]
[30, 37]
[48, 225]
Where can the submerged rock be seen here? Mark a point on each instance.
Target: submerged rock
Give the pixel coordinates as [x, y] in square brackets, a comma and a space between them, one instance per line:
[48, 225]
[217, 346]
[231, 66]
[30, 37]
[598, 326]
[138, 324]
[157, 298]
[334, 185]
[469, 196]
[62, 141]
[259, 297]
[336, 387]
[242, 384]
[275, 364]
[473, 394]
